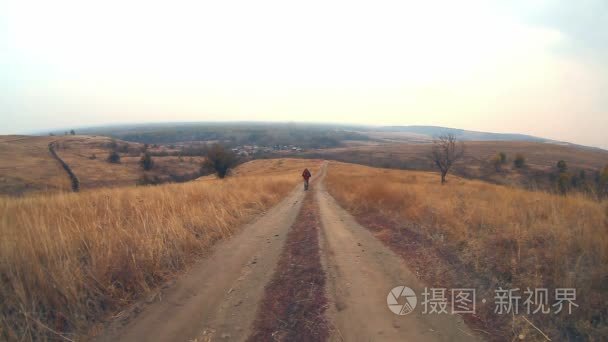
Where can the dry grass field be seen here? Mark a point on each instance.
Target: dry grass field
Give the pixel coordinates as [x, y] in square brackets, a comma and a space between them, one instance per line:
[541, 155]
[96, 172]
[486, 236]
[271, 167]
[68, 259]
[27, 167]
[541, 159]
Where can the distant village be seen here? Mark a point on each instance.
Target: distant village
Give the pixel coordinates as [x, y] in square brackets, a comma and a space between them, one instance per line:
[247, 150]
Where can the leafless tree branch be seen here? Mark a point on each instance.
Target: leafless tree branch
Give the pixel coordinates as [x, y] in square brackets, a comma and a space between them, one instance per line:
[445, 152]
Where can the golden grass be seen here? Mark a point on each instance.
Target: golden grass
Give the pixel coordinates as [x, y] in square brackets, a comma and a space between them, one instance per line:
[514, 238]
[538, 155]
[27, 167]
[265, 167]
[95, 173]
[476, 163]
[67, 259]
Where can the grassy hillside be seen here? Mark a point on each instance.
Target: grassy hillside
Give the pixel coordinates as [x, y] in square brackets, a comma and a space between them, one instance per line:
[475, 234]
[415, 132]
[477, 163]
[70, 258]
[87, 156]
[27, 167]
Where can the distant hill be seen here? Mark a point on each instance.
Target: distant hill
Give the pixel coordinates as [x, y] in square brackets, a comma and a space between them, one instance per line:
[462, 134]
[307, 135]
[231, 133]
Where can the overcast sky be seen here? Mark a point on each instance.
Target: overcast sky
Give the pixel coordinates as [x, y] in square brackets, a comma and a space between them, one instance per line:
[524, 66]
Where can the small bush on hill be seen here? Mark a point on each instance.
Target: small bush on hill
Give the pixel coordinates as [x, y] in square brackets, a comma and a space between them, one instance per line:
[519, 161]
[146, 162]
[562, 166]
[114, 157]
[499, 160]
[503, 157]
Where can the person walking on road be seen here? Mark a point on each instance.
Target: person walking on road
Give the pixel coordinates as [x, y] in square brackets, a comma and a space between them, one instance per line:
[306, 175]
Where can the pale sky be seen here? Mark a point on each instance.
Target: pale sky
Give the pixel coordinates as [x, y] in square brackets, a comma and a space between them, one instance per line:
[521, 66]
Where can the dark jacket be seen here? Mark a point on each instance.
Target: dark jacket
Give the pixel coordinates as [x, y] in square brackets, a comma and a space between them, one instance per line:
[306, 174]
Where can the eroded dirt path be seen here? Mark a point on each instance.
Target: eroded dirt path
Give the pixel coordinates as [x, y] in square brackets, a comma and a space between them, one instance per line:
[294, 304]
[217, 298]
[361, 271]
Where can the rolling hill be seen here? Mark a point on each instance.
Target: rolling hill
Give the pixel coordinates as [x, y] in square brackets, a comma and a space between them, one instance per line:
[27, 166]
[428, 132]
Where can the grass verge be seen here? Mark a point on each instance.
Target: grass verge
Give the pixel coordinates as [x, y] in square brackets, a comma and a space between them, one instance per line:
[474, 234]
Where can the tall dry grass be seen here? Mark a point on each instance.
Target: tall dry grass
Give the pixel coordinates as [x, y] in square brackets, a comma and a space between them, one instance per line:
[68, 259]
[503, 236]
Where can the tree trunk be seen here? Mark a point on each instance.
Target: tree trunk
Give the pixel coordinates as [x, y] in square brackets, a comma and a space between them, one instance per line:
[443, 177]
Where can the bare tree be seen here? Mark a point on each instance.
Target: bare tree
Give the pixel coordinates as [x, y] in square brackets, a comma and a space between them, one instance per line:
[445, 152]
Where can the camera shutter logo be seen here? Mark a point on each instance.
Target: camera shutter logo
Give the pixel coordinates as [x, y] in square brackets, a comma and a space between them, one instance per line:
[401, 300]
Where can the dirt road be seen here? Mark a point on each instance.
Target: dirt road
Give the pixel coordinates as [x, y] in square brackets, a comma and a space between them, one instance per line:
[219, 297]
